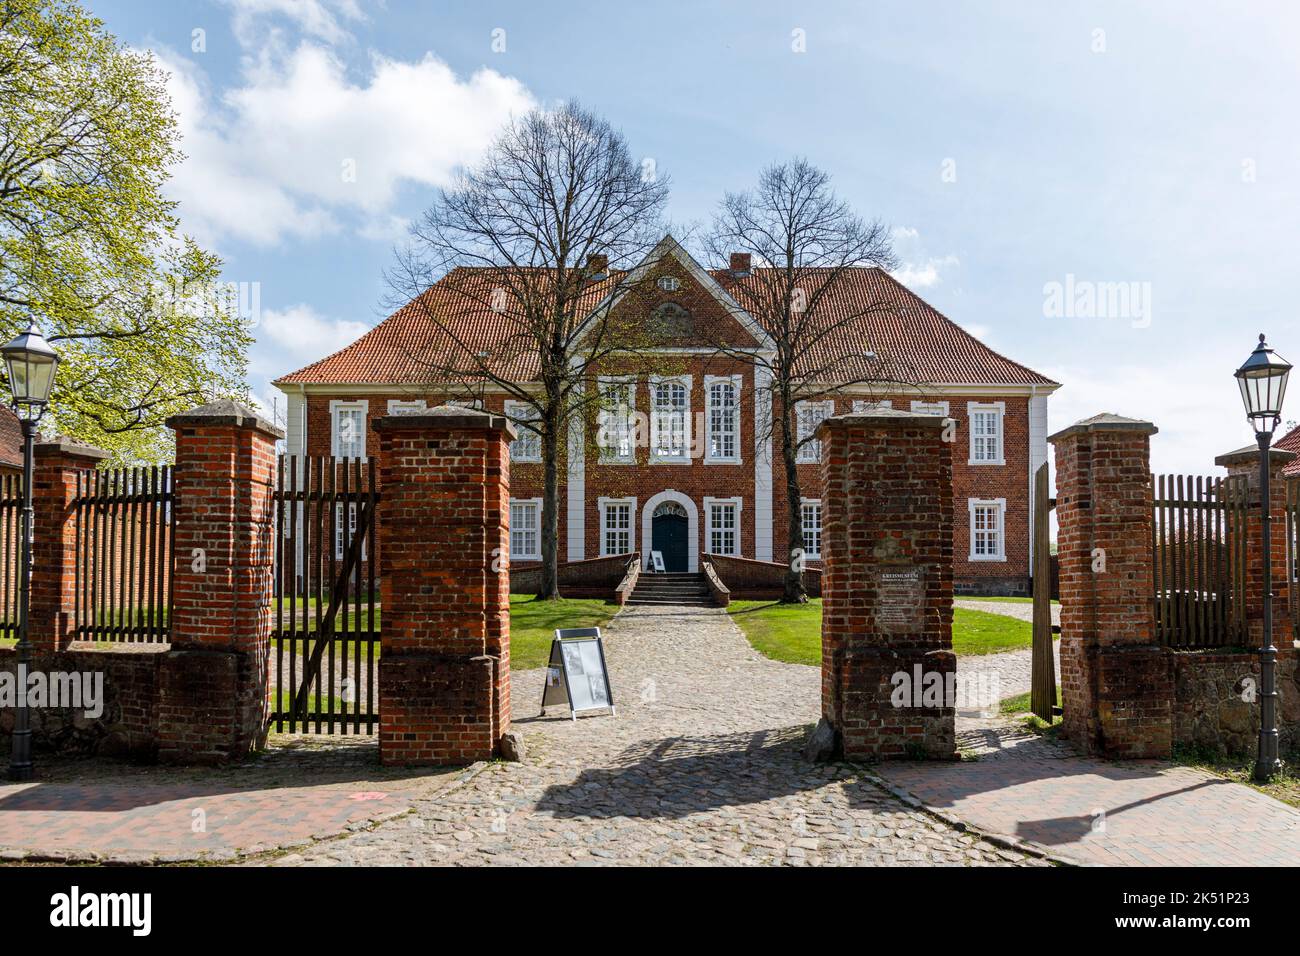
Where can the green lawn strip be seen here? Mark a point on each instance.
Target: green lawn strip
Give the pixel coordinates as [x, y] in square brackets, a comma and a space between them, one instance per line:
[793, 632]
[533, 624]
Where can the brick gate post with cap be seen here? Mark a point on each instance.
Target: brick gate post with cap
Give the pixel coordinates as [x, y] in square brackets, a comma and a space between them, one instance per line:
[887, 517]
[444, 539]
[1116, 681]
[213, 684]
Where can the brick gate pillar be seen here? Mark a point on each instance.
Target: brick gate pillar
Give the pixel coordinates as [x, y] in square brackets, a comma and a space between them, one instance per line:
[1244, 462]
[1116, 682]
[57, 466]
[444, 544]
[213, 682]
[887, 526]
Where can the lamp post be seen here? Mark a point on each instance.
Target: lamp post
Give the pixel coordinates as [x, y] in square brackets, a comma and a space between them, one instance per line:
[31, 364]
[1262, 379]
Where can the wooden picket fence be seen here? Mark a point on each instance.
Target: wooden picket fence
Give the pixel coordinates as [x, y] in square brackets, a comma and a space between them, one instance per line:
[1198, 533]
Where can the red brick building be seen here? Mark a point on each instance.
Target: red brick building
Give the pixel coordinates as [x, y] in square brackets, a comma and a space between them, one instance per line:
[707, 480]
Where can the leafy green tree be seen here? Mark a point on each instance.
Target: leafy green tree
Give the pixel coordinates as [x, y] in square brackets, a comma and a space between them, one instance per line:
[90, 248]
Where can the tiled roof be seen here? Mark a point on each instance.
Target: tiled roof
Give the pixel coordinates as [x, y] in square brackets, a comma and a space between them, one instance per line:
[402, 348]
[11, 439]
[1290, 442]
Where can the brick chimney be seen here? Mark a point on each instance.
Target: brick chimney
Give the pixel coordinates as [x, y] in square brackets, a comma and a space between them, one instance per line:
[740, 264]
[597, 267]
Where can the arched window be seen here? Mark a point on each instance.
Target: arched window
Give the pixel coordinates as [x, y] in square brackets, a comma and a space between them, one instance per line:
[670, 508]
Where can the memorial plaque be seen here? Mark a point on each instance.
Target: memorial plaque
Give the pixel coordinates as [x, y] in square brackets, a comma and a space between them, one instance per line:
[901, 592]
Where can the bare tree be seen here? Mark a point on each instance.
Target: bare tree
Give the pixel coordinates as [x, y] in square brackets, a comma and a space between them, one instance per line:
[804, 242]
[532, 247]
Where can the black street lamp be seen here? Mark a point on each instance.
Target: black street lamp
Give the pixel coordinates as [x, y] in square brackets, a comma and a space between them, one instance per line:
[31, 364]
[1263, 386]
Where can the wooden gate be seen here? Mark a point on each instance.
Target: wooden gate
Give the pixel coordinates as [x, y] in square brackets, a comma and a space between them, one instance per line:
[327, 613]
[1198, 534]
[1042, 681]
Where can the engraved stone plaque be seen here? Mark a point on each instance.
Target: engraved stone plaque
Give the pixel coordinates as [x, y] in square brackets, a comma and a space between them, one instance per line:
[902, 598]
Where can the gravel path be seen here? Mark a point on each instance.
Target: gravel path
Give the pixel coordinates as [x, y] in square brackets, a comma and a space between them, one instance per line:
[700, 766]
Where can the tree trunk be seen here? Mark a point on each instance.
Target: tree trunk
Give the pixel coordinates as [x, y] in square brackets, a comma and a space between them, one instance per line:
[550, 588]
[794, 590]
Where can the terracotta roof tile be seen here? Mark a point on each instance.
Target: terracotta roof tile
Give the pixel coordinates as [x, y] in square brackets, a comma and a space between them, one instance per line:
[400, 349]
[1290, 442]
[11, 439]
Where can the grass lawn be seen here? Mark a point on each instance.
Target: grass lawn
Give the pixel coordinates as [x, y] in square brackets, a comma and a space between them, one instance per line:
[533, 624]
[793, 632]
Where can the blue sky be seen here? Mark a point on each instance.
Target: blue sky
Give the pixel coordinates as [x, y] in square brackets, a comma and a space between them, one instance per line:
[1010, 145]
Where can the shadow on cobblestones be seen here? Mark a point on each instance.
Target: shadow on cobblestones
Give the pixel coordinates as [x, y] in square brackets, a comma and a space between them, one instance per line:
[676, 777]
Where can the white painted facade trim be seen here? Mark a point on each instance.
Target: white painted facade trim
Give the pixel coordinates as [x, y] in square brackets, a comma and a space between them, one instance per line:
[762, 465]
[1037, 456]
[577, 492]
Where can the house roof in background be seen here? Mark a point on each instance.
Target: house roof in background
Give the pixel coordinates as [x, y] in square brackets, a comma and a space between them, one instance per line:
[1290, 442]
[11, 439]
[886, 318]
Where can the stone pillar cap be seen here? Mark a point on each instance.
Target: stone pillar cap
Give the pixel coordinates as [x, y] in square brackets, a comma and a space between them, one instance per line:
[224, 412]
[62, 445]
[1250, 455]
[448, 416]
[1105, 422]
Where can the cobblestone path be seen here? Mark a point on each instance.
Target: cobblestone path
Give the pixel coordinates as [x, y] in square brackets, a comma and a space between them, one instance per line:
[700, 766]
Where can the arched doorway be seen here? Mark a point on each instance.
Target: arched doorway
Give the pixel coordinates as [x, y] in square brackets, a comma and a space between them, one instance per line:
[670, 524]
[670, 535]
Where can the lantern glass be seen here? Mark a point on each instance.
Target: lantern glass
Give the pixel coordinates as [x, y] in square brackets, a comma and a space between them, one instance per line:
[1262, 380]
[31, 365]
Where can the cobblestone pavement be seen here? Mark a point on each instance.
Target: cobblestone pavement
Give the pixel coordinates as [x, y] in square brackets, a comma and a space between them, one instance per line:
[302, 789]
[1014, 669]
[700, 766]
[1025, 786]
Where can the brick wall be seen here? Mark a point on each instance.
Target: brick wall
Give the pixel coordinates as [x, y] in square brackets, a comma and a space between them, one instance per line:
[887, 583]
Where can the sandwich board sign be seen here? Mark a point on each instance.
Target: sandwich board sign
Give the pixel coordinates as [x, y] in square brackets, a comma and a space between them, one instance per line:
[576, 674]
[657, 560]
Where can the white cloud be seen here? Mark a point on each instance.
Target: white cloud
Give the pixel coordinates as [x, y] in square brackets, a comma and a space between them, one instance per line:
[316, 18]
[922, 275]
[300, 149]
[302, 334]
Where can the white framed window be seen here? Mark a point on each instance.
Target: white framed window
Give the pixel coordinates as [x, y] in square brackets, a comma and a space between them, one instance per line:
[616, 421]
[348, 428]
[722, 423]
[400, 406]
[670, 419]
[527, 445]
[617, 528]
[722, 532]
[987, 529]
[811, 520]
[341, 540]
[931, 408]
[668, 283]
[986, 432]
[861, 405]
[525, 529]
[808, 415]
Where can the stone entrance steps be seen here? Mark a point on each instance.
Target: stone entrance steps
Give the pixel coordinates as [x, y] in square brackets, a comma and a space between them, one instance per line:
[674, 589]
